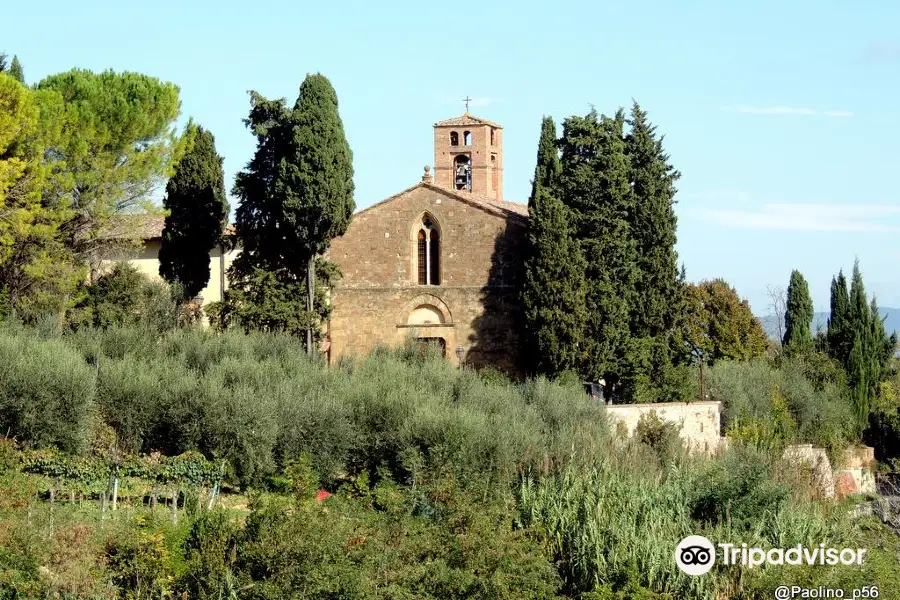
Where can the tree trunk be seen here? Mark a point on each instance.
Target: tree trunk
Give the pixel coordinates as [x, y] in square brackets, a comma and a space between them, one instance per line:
[115, 492]
[212, 496]
[310, 293]
[153, 495]
[175, 507]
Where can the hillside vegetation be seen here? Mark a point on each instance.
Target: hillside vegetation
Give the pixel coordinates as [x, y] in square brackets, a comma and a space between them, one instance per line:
[445, 483]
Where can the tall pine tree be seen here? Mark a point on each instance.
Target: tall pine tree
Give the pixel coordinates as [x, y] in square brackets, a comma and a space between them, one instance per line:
[839, 334]
[197, 214]
[857, 339]
[316, 180]
[595, 184]
[553, 298]
[798, 315]
[652, 222]
[547, 168]
[295, 195]
[15, 69]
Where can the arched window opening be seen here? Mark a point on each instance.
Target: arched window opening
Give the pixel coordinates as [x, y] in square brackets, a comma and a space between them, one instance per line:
[462, 170]
[422, 257]
[428, 253]
[454, 138]
[467, 138]
[434, 263]
[495, 174]
[492, 136]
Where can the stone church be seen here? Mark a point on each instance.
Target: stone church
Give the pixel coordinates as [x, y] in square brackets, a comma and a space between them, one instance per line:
[438, 262]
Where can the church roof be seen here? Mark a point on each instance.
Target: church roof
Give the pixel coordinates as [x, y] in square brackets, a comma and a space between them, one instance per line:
[142, 226]
[501, 208]
[465, 120]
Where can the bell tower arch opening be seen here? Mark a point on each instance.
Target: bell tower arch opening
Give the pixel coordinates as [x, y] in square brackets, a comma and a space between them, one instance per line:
[462, 173]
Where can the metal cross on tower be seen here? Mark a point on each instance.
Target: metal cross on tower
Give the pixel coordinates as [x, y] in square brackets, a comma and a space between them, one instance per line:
[467, 100]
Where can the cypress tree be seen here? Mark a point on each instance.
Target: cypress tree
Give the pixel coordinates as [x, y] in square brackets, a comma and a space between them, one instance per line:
[554, 292]
[296, 193]
[652, 223]
[856, 338]
[798, 315]
[15, 69]
[317, 180]
[839, 332]
[197, 214]
[595, 184]
[547, 167]
[257, 217]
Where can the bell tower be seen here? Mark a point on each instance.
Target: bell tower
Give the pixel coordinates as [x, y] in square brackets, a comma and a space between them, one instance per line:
[468, 156]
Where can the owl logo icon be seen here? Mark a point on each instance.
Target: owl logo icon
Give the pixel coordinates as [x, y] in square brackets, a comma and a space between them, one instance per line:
[695, 555]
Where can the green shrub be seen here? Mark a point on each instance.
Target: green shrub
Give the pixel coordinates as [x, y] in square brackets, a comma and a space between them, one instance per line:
[210, 556]
[137, 562]
[662, 436]
[738, 489]
[46, 393]
[757, 393]
[125, 296]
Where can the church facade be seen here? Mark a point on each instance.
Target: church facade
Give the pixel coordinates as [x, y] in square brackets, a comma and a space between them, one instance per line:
[439, 262]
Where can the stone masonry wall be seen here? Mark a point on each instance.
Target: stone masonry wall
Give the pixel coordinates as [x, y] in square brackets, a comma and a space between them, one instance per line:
[700, 422]
[480, 264]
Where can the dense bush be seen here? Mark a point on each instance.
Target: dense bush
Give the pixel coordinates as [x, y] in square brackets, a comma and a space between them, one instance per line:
[787, 405]
[125, 296]
[46, 393]
[258, 402]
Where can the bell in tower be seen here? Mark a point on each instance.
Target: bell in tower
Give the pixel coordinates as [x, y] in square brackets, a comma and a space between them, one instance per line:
[463, 173]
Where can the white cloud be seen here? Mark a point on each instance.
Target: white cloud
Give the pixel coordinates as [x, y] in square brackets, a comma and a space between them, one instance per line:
[807, 217]
[791, 110]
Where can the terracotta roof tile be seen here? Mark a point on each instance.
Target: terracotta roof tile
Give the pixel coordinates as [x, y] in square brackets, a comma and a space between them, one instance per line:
[464, 120]
[142, 226]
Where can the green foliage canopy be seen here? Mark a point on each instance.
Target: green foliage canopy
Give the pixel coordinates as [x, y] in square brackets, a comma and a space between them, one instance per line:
[118, 146]
[197, 214]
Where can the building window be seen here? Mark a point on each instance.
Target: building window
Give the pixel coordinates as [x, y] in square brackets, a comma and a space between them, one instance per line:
[467, 138]
[495, 173]
[428, 253]
[454, 138]
[492, 136]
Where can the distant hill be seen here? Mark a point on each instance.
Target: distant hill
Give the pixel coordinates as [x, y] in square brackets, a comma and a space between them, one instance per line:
[891, 318]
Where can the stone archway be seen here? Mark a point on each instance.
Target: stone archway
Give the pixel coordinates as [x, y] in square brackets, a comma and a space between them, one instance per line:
[428, 321]
[422, 307]
[425, 314]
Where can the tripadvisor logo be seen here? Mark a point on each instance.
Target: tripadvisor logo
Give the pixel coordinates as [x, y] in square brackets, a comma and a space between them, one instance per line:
[695, 555]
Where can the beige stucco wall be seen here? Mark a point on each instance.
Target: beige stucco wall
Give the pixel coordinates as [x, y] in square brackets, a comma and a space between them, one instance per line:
[700, 422]
[146, 260]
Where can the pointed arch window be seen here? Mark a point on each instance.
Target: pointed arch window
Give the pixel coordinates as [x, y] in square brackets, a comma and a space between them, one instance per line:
[428, 253]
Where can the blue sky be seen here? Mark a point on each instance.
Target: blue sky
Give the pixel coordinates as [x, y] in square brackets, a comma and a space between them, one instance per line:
[782, 116]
